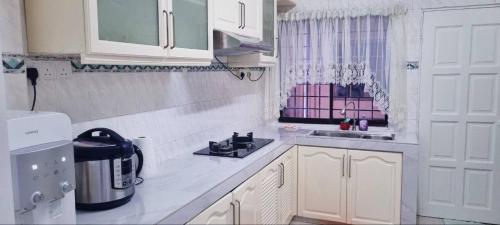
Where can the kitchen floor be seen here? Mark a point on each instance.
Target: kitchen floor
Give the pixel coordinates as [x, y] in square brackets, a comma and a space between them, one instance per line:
[420, 220]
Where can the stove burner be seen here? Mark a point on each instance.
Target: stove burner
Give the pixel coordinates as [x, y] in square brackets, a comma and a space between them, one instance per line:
[235, 147]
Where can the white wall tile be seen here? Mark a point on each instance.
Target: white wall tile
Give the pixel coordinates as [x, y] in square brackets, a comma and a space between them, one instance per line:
[16, 88]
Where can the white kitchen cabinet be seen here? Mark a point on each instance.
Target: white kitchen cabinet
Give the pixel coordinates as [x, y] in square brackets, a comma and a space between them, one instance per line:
[190, 29]
[287, 190]
[148, 32]
[374, 188]
[222, 212]
[349, 186]
[322, 183]
[246, 200]
[269, 36]
[252, 14]
[269, 197]
[268, 194]
[243, 17]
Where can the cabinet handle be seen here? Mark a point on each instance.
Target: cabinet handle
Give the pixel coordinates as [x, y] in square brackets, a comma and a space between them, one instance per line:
[173, 30]
[241, 15]
[239, 211]
[234, 212]
[282, 175]
[278, 47]
[343, 165]
[244, 15]
[350, 162]
[165, 13]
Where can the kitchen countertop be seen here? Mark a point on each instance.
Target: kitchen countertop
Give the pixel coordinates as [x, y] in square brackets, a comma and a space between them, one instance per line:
[190, 183]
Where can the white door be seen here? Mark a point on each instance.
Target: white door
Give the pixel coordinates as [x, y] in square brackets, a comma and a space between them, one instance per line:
[374, 187]
[246, 200]
[288, 187]
[252, 22]
[268, 194]
[126, 27]
[460, 113]
[228, 15]
[322, 183]
[222, 212]
[190, 29]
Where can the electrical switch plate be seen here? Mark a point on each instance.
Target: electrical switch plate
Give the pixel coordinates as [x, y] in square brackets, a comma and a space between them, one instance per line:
[52, 70]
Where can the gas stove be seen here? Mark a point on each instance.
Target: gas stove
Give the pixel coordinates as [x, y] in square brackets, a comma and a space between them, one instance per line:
[235, 147]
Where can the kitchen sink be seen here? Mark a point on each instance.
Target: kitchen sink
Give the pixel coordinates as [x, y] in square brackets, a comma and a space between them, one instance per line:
[352, 134]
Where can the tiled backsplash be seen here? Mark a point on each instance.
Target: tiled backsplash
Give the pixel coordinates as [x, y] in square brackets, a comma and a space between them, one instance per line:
[174, 106]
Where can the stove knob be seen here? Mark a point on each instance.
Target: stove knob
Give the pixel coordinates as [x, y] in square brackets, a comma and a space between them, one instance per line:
[37, 197]
[66, 187]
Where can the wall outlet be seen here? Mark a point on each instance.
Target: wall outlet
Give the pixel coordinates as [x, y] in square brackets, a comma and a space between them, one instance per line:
[52, 70]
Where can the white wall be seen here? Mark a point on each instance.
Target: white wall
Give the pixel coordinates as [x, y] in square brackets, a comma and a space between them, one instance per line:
[6, 207]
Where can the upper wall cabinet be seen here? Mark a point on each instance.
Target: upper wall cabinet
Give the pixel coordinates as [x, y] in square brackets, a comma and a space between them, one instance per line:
[158, 32]
[269, 35]
[243, 17]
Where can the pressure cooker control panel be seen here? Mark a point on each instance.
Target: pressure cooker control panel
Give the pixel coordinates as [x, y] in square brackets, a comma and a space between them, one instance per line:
[123, 173]
[42, 173]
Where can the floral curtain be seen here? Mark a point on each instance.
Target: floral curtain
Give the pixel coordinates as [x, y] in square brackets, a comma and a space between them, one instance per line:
[347, 47]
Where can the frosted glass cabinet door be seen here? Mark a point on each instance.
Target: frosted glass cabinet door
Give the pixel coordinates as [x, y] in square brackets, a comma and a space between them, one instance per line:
[268, 24]
[126, 27]
[191, 28]
[129, 21]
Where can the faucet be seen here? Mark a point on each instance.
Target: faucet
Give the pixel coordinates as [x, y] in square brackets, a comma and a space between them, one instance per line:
[344, 112]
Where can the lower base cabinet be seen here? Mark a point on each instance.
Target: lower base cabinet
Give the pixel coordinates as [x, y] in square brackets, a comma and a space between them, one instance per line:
[349, 186]
[222, 212]
[269, 197]
[339, 185]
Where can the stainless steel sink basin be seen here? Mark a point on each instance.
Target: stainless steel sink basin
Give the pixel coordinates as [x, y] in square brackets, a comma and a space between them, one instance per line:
[350, 134]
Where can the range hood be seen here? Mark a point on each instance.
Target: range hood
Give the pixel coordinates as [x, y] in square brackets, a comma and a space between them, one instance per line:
[229, 44]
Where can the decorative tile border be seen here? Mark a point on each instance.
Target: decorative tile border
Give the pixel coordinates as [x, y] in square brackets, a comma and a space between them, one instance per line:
[16, 63]
[13, 63]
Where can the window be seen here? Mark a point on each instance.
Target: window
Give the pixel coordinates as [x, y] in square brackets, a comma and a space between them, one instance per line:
[314, 63]
[324, 103]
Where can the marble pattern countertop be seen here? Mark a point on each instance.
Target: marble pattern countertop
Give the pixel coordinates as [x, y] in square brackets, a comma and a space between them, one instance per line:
[189, 184]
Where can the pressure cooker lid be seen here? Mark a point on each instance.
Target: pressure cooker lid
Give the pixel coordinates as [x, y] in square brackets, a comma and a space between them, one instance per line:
[100, 144]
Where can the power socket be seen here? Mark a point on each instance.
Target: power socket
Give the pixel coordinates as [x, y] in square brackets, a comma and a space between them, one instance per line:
[52, 70]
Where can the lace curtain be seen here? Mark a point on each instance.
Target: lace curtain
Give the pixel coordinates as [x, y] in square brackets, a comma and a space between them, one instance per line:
[347, 47]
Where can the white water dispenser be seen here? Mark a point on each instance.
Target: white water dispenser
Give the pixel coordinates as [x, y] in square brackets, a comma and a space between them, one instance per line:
[43, 170]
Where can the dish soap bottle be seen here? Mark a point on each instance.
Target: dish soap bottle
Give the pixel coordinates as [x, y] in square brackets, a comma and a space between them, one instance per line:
[363, 124]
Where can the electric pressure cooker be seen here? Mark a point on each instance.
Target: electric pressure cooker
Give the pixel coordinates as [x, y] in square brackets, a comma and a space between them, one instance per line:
[106, 167]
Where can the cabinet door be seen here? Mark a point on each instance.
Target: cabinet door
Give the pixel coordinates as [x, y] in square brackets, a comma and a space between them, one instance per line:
[252, 14]
[322, 183]
[222, 212]
[374, 185]
[246, 199]
[190, 28]
[125, 27]
[268, 194]
[269, 14]
[288, 188]
[227, 15]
